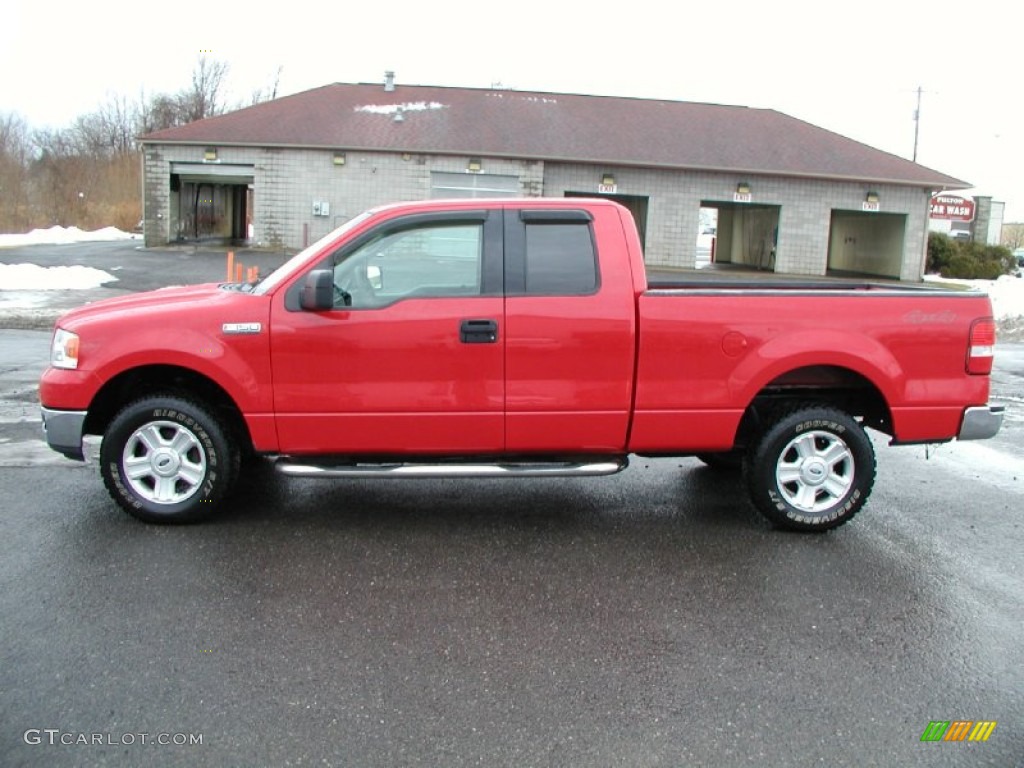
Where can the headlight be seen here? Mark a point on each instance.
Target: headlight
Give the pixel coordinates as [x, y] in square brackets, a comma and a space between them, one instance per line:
[64, 351]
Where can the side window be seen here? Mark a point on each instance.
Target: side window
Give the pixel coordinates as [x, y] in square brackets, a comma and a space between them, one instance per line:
[560, 259]
[419, 262]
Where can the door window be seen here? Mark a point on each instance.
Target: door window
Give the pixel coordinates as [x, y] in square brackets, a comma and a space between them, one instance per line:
[421, 262]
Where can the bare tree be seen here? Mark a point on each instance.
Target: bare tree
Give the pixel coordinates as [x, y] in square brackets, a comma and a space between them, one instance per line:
[88, 173]
[205, 97]
[110, 130]
[1013, 235]
[160, 112]
[15, 154]
[63, 177]
[268, 93]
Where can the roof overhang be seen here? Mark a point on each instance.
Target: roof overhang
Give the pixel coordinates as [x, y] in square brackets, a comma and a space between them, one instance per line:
[931, 184]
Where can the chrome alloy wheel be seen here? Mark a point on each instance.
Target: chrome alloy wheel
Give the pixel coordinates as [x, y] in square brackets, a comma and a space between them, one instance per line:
[815, 471]
[164, 462]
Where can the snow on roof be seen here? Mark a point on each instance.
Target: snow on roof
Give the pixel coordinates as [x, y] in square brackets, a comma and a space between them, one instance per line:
[390, 109]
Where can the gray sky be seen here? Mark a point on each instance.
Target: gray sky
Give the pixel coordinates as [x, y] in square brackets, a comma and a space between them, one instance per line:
[852, 68]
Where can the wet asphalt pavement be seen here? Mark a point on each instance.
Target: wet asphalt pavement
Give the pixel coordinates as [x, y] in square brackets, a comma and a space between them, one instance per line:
[648, 619]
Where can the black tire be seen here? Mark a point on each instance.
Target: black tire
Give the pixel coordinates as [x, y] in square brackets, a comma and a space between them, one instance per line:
[812, 469]
[726, 461]
[237, 462]
[166, 459]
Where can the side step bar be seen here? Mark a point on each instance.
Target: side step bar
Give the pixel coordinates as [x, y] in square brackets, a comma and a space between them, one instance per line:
[294, 468]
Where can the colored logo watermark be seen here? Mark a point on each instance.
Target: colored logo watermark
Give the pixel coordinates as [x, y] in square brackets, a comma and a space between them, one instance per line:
[958, 730]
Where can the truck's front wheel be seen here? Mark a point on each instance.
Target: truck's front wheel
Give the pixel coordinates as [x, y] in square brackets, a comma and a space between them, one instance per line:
[812, 469]
[166, 459]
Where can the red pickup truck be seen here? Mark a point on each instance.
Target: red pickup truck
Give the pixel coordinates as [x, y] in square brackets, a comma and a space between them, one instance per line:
[511, 338]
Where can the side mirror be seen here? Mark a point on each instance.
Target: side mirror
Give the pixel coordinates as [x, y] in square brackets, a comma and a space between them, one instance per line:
[375, 277]
[318, 291]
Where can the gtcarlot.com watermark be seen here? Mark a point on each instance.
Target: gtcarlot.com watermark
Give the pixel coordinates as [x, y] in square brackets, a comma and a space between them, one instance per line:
[57, 737]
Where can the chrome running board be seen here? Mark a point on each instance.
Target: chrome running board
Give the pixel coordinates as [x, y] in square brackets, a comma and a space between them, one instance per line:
[294, 468]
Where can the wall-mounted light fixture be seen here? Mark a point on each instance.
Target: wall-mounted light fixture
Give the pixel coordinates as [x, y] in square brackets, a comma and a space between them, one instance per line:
[871, 197]
[607, 179]
[743, 188]
[475, 165]
[339, 158]
[210, 155]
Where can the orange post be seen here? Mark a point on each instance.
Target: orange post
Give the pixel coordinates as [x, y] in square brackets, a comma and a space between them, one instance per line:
[231, 264]
[238, 272]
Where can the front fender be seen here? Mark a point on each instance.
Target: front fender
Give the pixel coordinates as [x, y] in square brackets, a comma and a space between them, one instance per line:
[237, 364]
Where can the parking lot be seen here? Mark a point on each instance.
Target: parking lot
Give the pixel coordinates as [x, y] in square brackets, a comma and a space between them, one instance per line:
[647, 619]
[650, 619]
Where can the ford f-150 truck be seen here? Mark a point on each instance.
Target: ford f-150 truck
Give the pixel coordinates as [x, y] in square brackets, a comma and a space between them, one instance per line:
[511, 338]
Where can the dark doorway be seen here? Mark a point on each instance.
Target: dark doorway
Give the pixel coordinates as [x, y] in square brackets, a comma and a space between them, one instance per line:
[211, 211]
[636, 204]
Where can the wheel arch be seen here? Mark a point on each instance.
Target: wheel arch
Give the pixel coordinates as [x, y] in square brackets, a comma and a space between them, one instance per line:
[841, 387]
[820, 349]
[167, 379]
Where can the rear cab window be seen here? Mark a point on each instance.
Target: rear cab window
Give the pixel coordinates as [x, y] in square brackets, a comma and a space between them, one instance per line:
[551, 253]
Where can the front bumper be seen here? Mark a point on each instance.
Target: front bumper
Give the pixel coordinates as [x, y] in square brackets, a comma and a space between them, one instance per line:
[981, 423]
[63, 430]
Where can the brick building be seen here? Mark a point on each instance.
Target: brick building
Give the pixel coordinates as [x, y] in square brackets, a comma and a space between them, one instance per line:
[790, 197]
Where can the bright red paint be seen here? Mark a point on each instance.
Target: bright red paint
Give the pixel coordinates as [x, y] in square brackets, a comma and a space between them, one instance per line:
[625, 369]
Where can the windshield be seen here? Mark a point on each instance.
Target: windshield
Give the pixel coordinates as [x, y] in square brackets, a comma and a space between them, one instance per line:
[282, 273]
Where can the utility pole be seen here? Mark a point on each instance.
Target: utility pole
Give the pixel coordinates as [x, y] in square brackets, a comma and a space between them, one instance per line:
[917, 121]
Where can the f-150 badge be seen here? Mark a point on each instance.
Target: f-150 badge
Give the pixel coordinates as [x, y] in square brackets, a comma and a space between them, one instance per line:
[242, 327]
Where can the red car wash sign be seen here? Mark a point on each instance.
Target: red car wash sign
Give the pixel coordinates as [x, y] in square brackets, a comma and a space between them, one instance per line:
[952, 208]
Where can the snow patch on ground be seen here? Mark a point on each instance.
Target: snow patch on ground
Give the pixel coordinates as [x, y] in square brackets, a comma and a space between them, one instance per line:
[64, 235]
[1007, 293]
[32, 277]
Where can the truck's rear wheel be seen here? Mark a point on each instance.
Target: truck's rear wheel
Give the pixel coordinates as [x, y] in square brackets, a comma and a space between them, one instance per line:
[166, 459]
[812, 469]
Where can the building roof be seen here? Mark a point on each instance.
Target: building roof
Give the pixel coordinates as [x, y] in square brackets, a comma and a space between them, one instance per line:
[554, 126]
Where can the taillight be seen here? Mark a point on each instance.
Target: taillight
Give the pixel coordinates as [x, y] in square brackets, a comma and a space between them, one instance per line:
[982, 346]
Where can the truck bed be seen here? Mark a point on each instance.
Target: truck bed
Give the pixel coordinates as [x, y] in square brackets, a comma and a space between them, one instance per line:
[746, 281]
